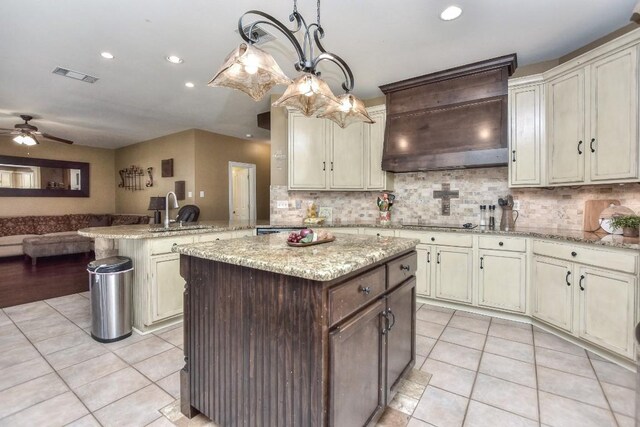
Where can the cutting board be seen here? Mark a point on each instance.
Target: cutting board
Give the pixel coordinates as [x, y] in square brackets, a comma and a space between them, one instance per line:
[592, 209]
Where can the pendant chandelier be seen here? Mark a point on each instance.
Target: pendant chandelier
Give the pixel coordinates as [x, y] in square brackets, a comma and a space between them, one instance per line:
[254, 71]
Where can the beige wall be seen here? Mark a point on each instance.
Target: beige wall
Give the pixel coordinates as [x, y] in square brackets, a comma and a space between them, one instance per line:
[213, 152]
[101, 172]
[179, 146]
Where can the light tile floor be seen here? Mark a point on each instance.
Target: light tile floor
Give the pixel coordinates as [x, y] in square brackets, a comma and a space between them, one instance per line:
[485, 372]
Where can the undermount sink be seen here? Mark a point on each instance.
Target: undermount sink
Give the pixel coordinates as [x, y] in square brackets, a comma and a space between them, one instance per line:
[177, 227]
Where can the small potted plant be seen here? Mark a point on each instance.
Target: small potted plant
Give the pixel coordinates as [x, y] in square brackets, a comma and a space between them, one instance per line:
[630, 224]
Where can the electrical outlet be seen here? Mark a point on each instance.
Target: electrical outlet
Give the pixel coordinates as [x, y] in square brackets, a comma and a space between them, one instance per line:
[202, 194]
[190, 194]
[516, 205]
[298, 204]
[282, 204]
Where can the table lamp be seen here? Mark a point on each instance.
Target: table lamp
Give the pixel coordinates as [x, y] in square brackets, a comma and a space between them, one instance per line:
[156, 204]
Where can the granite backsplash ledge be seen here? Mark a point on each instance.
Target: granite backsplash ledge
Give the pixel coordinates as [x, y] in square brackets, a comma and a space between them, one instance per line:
[540, 207]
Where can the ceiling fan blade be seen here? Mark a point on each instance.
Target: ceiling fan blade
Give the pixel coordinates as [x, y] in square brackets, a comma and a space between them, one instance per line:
[35, 139]
[3, 130]
[55, 138]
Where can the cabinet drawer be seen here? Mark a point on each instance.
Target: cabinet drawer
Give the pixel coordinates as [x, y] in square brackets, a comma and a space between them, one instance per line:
[611, 260]
[500, 243]
[346, 298]
[223, 235]
[445, 239]
[163, 246]
[401, 269]
[384, 232]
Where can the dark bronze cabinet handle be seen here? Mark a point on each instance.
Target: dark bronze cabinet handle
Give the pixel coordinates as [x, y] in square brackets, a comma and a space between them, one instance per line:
[428, 257]
[579, 144]
[513, 155]
[405, 267]
[324, 166]
[393, 319]
[567, 278]
[580, 282]
[593, 150]
[574, 254]
[481, 264]
[385, 328]
[332, 166]
[438, 258]
[500, 243]
[365, 290]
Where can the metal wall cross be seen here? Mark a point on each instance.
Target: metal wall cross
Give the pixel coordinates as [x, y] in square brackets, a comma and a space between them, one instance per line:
[446, 194]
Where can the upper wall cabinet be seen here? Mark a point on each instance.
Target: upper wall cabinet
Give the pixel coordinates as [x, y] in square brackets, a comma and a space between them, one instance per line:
[584, 116]
[323, 156]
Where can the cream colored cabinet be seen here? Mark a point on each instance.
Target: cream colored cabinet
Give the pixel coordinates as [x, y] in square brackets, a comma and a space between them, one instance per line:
[6, 179]
[606, 308]
[424, 272]
[613, 142]
[566, 128]
[553, 293]
[502, 280]
[526, 131]
[323, 156]
[307, 151]
[453, 274]
[167, 287]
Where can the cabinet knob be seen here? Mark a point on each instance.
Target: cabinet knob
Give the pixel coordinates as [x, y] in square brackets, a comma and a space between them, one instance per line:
[378, 234]
[500, 243]
[217, 238]
[433, 239]
[365, 290]
[574, 254]
[174, 245]
[405, 267]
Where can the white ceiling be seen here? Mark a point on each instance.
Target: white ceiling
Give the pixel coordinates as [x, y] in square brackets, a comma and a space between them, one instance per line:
[141, 96]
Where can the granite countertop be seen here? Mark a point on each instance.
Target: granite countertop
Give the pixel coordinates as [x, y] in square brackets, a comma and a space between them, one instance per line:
[323, 262]
[578, 236]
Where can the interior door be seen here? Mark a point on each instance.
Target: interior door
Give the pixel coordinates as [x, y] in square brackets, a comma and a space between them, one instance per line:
[401, 339]
[356, 364]
[566, 124]
[240, 196]
[614, 116]
[553, 292]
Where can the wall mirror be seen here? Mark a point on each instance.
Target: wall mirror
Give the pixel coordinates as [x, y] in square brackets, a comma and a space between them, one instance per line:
[29, 177]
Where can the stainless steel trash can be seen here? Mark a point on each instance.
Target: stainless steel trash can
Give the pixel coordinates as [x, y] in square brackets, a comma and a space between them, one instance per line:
[110, 287]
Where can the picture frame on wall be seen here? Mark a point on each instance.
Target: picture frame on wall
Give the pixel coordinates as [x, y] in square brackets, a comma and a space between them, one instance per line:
[167, 168]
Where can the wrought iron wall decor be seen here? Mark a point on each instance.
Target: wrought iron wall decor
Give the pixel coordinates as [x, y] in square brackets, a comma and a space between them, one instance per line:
[131, 178]
[254, 71]
[150, 181]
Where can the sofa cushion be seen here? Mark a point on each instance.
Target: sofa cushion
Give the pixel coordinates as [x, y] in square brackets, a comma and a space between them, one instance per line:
[51, 224]
[129, 219]
[16, 225]
[79, 221]
[99, 221]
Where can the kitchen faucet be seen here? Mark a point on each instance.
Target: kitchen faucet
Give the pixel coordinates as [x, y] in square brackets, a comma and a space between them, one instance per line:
[168, 221]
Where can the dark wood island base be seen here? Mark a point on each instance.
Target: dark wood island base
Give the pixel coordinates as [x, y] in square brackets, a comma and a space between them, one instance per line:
[267, 349]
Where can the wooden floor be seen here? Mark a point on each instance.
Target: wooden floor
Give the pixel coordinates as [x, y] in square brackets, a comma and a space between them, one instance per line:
[51, 277]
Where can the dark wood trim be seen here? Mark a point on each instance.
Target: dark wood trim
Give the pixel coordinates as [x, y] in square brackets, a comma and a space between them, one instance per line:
[47, 163]
[510, 61]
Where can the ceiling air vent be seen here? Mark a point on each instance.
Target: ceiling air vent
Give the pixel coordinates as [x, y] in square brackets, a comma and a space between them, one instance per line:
[258, 33]
[74, 75]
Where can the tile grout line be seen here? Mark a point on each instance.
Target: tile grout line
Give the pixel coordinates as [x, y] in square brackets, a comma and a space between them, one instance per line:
[475, 378]
[535, 367]
[606, 398]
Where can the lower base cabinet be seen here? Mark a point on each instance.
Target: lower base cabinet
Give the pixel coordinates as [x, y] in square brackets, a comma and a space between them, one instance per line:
[453, 274]
[502, 280]
[401, 338]
[168, 285]
[553, 293]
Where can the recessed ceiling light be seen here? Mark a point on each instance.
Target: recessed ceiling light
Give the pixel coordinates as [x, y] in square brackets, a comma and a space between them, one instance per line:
[107, 55]
[189, 84]
[249, 135]
[451, 13]
[174, 59]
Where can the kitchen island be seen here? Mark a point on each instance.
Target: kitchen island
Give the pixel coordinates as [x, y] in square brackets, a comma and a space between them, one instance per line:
[313, 336]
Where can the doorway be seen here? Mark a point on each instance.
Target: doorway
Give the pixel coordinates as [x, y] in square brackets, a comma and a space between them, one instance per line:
[242, 191]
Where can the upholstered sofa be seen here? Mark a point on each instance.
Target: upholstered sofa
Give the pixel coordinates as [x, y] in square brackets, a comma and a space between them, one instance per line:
[13, 230]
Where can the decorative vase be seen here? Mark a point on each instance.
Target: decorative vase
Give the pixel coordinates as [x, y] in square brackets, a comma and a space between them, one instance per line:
[627, 231]
[385, 217]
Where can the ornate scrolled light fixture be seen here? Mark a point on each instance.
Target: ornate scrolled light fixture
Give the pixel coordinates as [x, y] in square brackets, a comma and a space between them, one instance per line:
[255, 72]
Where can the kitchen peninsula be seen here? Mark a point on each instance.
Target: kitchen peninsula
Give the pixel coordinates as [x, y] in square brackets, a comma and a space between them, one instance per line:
[296, 336]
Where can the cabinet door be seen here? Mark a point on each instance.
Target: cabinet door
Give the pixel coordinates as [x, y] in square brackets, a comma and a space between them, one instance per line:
[614, 117]
[606, 309]
[376, 177]
[423, 274]
[525, 109]
[453, 273]
[502, 280]
[566, 123]
[347, 157]
[356, 365]
[307, 162]
[380, 232]
[553, 293]
[167, 286]
[401, 340]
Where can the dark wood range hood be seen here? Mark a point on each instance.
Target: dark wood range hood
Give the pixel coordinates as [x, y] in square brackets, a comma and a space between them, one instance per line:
[451, 119]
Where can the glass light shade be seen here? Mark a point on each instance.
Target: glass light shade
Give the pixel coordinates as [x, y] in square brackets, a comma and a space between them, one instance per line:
[25, 140]
[349, 110]
[251, 70]
[309, 94]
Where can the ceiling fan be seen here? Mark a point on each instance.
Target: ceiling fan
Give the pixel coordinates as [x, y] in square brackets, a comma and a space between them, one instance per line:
[26, 133]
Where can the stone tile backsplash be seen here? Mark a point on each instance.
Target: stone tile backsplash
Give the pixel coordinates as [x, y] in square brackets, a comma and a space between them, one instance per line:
[540, 207]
